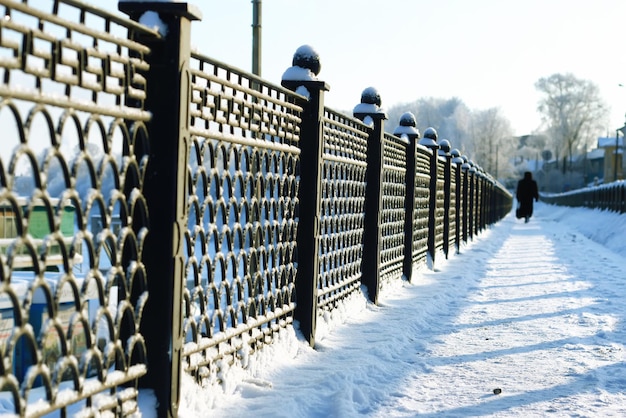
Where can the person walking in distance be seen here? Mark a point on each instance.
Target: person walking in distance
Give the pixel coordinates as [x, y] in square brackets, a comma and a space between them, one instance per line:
[526, 192]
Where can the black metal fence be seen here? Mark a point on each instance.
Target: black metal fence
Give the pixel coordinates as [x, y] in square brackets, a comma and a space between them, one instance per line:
[162, 213]
[610, 196]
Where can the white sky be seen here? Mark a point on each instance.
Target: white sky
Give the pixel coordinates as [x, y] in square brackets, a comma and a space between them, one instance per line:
[489, 53]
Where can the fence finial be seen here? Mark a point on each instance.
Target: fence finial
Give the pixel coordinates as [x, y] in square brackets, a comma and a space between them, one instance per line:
[444, 147]
[305, 65]
[456, 156]
[369, 108]
[407, 126]
[301, 77]
[430, 138]
[307, 57]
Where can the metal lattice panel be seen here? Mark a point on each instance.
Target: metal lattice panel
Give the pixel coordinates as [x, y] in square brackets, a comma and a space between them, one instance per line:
[452, 211]
[342, 208]
[393, 211]
[478, 194]
[242, 204]
[440, 212]
[420, 212]
[72, 214]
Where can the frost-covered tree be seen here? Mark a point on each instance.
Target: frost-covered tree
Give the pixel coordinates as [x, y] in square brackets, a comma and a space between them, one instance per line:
[572, 111]
[493, 142]
[450, 117]
[485, 136]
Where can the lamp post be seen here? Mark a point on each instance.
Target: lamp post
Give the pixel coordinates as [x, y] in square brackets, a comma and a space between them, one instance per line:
[256, 37]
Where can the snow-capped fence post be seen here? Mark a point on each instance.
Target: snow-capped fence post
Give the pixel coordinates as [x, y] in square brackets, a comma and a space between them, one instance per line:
[466, 204]
[444, 151]
[487, 200]
[301, 78]
[471, 178]
[482, 202]
[408, 129]
[486, 197]
[479, 200]
[371, 114]
[459, 178]
[430, 141]
[493, 202]
[167, 99]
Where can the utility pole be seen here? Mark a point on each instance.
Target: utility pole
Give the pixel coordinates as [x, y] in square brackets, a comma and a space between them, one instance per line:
[256, 37]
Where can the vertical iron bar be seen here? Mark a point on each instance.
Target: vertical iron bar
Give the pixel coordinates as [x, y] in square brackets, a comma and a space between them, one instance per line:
[432, 206]
[309, 207]
[430, 141]
[409, 206]
[407, 129]
[457, 203]
[168, 91]
[370, 265]
[458, 163]
[481, 204]
[472, 201]
[444, 151]
[465, 170]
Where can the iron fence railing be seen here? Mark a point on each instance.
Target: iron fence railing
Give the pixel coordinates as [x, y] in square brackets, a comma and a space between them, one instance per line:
[344, 152]
[74, 215]
[611, 196]
[240, 241]
[150, 231]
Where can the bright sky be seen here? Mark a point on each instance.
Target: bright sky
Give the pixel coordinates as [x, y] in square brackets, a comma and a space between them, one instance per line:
[488, 53]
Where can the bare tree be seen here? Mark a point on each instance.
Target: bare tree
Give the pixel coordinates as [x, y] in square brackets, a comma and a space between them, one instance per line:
[492, 140]
[450, 117]
[572, 110]
[485, 136]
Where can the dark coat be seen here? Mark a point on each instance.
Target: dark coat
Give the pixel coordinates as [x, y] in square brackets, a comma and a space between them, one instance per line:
[526, 192]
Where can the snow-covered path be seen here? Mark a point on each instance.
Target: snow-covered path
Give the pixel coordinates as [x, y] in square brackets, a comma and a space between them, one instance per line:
[539, 323]
[534, 310]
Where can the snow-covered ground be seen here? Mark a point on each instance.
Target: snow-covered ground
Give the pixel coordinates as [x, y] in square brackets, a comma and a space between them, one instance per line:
[527, 321]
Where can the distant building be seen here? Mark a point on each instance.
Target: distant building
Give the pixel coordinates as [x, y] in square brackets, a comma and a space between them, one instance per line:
[595, 166]
[613, 158]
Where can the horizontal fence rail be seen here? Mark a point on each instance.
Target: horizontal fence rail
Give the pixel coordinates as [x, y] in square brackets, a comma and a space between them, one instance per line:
[150, 231]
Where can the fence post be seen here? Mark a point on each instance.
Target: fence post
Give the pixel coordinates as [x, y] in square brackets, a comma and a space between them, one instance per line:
[471, 174]
[444, 151]
[480, 196]
[370, 113]
[479, 200]
[491, 202]
[168, 88]
[466, 210]
[306, 62]
[430, 141]
[458, 161]
[407, 128]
